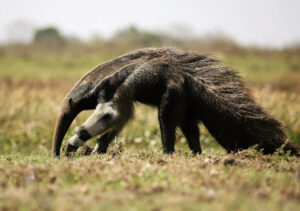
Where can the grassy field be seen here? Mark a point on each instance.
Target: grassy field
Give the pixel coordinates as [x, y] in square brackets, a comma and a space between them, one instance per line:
[135, 175]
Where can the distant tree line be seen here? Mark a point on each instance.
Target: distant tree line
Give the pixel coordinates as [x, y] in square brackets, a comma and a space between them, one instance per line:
[51, 40]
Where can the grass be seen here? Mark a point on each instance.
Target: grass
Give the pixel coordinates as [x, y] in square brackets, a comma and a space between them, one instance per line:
[135, 175]
[141, 179]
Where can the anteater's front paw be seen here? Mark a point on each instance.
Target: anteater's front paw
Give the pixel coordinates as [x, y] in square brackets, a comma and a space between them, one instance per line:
[70, 150]
[86, 151]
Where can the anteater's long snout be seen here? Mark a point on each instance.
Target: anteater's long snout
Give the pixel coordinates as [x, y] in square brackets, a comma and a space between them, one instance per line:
[64, 120]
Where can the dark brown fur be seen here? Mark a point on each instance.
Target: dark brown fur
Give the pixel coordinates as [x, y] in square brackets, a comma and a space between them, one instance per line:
[188, 88]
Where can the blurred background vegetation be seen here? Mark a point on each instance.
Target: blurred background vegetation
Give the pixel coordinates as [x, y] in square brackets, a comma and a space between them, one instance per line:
[36, 75]
[49, 45]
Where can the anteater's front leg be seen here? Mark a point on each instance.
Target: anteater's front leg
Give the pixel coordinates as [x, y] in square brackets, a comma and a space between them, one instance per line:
[170, 113]
[77, 140]
[104, 141]
[93, 126]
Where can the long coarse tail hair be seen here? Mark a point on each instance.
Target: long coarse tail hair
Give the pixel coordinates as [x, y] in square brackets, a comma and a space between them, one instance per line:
[231, 115]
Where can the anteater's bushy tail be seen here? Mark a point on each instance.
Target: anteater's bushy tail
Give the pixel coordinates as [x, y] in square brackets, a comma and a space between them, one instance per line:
[231, 115]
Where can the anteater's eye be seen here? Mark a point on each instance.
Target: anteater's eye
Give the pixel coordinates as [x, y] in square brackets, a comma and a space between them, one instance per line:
[106, 117]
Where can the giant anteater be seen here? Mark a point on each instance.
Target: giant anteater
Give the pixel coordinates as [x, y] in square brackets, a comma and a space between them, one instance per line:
[186, 87]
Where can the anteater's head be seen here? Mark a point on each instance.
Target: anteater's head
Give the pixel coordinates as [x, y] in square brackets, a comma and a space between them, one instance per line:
[105, 118]
[108, 116]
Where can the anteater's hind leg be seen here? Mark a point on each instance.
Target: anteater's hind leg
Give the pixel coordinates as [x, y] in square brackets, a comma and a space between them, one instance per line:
[104, 141]
[191, 132]
[167, 135]
[170, 114]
